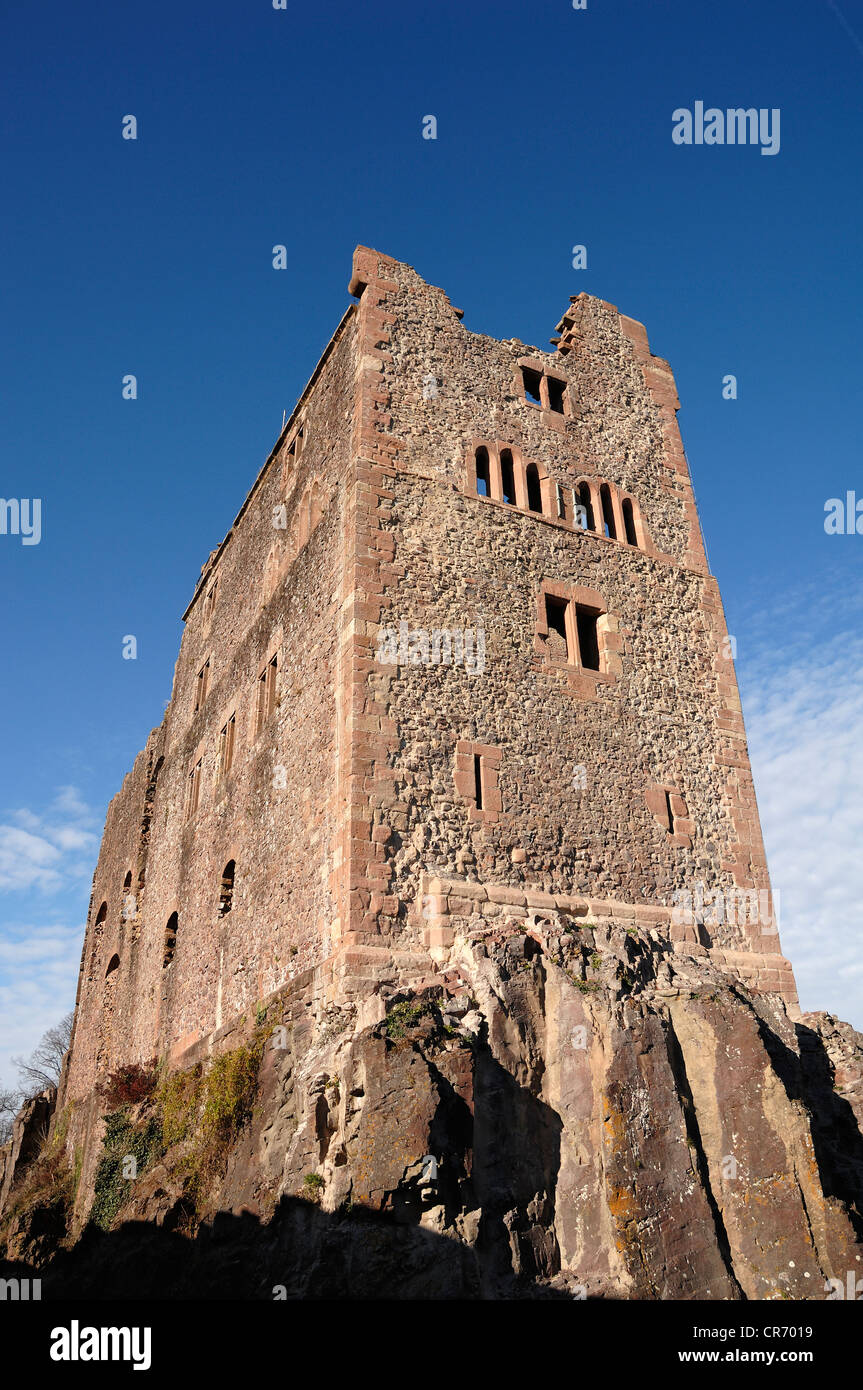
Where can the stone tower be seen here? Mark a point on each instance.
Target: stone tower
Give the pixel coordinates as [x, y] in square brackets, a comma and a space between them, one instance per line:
[458, 656]
[451, 818]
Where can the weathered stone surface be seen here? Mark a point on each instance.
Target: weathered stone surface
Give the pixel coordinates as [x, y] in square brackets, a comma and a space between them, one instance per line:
[29, 1131]
[607, 1117]
[505, 1065]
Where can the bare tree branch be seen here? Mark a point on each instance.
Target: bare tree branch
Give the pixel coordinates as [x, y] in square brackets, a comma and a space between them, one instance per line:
[41, 1069]
[10, 1104]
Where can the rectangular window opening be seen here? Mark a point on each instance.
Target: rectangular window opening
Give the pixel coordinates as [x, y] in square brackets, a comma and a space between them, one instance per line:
[588, 640]
[555, 617]
[669, 813]
[556, 395]
[532, 385]
[477, 777]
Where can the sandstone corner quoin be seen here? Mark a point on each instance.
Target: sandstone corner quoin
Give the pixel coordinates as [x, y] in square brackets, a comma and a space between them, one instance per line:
[415, 916]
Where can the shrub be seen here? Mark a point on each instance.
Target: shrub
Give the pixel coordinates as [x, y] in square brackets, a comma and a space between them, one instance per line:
[122, 1140]
[230, 1087]
[128, 1085]
[404, 1016]
[177, 1099]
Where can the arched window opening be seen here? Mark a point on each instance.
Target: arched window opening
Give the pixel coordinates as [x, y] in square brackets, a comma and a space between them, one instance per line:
[483, 488]
[98, 932]
[607, 512]
[226, 889]
[129, 904]
[170, 939]
[534, 490]
[113, 964]
[507, 476]
[584, 500]
[629, 523]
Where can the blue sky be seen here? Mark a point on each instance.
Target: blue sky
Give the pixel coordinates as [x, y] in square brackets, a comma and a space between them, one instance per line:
[304, 127]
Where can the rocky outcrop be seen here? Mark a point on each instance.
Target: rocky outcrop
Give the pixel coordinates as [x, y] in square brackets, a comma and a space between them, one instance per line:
[563, 1112]
[29, 1132]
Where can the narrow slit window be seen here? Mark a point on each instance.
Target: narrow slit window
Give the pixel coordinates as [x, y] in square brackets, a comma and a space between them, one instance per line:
[607, 512]
[477, 778]
[557, 641]
[483, 487]
[226, 745]
[588, 640]
[194, 794]
[267, 692]
[201, 684]
[210, 600]
[669, 814]
[584, 500]
[272, 669]
[556, 395]
[532, 385]
[507, 476]
[170, 944]
[226, 888]
[534, 489]
[629, 522]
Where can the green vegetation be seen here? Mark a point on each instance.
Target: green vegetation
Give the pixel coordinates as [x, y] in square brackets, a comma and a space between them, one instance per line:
[313, 1187]
[204, 1109]
[178, 1098]
[404, 1016]
[122, 1140]
[229, 1089]
[583, 986]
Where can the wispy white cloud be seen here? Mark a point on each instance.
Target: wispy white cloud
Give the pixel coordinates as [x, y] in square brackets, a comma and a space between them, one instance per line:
[38, 978]
[802, 688]
[44, 851]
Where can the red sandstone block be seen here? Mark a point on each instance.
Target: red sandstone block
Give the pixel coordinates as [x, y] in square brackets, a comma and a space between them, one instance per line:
[438, 936]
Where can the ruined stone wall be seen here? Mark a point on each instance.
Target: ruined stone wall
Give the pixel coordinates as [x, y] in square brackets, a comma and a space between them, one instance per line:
[664, 714]
[274, 813]
[357, 787]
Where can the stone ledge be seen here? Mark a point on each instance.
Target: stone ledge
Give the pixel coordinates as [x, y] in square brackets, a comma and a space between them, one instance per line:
[443, 901]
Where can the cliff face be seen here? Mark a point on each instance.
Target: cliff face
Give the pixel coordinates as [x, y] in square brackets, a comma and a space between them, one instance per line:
[567, 1112]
